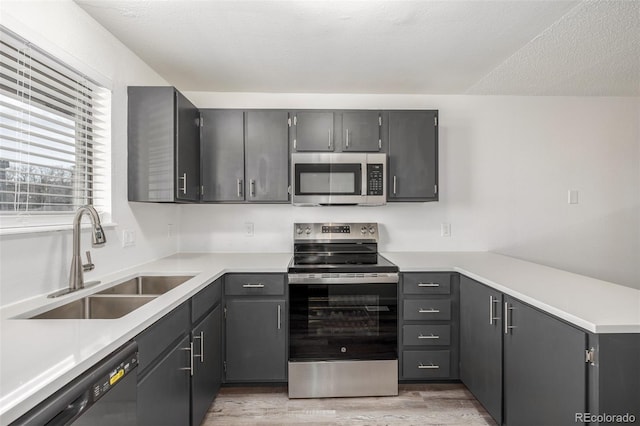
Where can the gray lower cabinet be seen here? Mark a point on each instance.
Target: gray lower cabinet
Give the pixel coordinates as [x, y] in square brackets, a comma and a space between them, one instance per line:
[361, 131]
[255, 328]
[163, 146]
[163, 394]
[481, 344]
[428, 326]
[180, 369]
[413, 156]
[313, 131]
[245, 156]
[163, 373]
[207, 370]
[545, 378]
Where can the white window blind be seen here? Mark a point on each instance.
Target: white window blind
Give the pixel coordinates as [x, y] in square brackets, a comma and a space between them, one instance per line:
[53, 129]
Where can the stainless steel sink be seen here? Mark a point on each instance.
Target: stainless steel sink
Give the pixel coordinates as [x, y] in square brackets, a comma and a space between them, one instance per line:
[97, 307]
[148, 284]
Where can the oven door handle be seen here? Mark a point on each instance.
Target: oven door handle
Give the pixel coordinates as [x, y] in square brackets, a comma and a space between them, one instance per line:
[258, 285]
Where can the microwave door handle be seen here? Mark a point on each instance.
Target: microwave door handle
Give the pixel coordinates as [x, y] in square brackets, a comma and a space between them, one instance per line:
[346, 138]
[329, 138]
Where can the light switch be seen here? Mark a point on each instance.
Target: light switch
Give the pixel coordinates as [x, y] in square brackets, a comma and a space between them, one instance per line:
[572, 196]
[445, 229]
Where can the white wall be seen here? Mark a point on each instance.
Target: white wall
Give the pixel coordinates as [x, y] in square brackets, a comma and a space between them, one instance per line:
[506, 164]
[39, 263]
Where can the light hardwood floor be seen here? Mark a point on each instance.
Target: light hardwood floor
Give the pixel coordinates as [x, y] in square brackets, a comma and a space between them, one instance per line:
[419, 405]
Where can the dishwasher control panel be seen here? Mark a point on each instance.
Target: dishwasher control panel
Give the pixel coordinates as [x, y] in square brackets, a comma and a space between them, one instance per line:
[107, 381]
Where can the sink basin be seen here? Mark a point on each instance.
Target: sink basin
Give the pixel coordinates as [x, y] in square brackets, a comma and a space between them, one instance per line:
[146, 284]
[97, 307]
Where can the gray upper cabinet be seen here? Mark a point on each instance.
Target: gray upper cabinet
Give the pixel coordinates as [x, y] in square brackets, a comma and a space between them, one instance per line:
[361, 131]
[222, 155]
[163, 146]
[266, 156]
[313, 131]
[245, 156]
[413, 156]
[481, 344]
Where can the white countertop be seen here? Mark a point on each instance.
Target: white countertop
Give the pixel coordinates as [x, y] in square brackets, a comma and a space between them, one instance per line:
[37, 357]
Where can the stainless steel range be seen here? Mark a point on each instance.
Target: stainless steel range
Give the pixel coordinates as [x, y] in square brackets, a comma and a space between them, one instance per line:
[343, 313]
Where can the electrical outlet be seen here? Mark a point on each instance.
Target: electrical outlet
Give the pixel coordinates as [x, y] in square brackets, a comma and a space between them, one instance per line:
[572, 196]
[445, 229]
[128, 238]
[169, 230]
[248, 229]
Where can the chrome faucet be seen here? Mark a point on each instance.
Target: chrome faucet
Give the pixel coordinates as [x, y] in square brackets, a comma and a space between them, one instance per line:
[98, 239]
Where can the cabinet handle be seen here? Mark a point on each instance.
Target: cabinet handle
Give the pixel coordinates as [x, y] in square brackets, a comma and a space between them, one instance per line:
[433, 336]
[428, 367]
[184, 183]
[279, 317]
[190, 349]
[395, 184]
[239, 182]
[428, 285]
[347, 138]
[259, 285]
[201, 337]
[507, 327]
[330, 138]
[252, 187]
[428, 311]
[492, 315]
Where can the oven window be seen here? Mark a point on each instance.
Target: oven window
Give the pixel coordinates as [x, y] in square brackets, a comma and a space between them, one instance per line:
[342, 321]
[328, 179]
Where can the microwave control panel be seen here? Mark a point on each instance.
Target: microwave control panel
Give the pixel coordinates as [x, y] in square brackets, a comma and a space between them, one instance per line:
[375, 179]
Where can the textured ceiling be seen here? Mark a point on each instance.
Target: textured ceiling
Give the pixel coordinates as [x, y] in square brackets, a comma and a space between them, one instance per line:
[428, 47]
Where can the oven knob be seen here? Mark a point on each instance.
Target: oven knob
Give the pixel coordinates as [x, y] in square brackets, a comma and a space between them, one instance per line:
[363, 230]
[299, 230]
[372, 230]
[307, 231]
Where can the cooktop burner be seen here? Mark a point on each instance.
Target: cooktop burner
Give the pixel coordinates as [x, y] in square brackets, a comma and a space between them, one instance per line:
[337, 248]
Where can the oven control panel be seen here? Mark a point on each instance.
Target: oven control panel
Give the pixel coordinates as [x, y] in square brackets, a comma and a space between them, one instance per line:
[335, 231]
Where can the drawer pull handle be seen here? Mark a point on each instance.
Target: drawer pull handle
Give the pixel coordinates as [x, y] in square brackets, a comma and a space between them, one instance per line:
[428, 311]
[259, 285]
[433, 336]
[428, 367]
[428, 285]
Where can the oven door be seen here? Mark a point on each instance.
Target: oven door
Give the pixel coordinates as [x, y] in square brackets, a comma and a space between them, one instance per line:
[343, 322]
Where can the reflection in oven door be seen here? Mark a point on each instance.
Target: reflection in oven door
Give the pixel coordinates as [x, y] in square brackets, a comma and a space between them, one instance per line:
[342, 322]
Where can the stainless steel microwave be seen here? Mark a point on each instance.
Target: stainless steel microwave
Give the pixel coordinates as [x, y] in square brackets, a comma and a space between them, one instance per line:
[338, 179]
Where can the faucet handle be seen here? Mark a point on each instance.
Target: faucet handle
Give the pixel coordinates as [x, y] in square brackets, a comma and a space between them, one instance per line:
[88, 266]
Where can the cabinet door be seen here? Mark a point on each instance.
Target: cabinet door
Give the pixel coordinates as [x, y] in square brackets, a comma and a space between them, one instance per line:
[413, 156]
[313, 131]
[544, 368]
[481, 344]
[361, 131]
[207, 370]
[255, 340]
[150, 144]
[163, 394]
[187, 150]
[222, 155]
[266, 156]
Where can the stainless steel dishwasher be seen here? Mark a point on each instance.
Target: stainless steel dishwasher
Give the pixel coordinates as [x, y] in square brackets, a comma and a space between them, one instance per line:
[103, 395]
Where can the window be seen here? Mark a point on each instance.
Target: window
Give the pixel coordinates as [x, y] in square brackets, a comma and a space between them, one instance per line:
[53, 126]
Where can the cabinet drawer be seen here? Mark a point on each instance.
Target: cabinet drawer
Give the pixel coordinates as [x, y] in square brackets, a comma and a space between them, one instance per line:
[155, 339]
[427, 309]
[426, 335]
[426, 283]
[254, 284]
[206, 299]
[425, 364]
